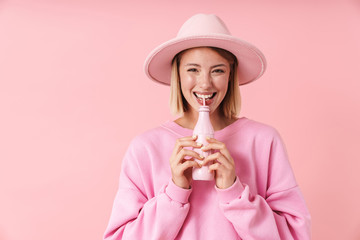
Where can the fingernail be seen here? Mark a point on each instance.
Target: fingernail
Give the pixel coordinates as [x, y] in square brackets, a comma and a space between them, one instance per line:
[199, 144]
[194, 136]
[201, 156]
[207, 137]
[203, 148]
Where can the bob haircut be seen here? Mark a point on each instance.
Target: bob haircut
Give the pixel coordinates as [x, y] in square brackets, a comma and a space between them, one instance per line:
[230, 106]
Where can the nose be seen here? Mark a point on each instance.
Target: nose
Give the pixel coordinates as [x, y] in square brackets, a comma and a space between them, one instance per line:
[205, 81]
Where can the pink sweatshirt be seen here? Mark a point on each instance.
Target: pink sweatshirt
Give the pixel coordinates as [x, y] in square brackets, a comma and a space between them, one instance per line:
[265, 201]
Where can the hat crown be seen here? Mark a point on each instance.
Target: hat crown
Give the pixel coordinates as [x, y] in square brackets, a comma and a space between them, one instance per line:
[203, 24]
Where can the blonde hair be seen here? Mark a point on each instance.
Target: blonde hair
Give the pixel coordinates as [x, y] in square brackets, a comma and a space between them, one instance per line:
[231, 103]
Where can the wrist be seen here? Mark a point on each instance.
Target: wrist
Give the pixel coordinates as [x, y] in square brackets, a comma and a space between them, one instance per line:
[233, 192]
[226, 184]
[176, 193]
[181, 184]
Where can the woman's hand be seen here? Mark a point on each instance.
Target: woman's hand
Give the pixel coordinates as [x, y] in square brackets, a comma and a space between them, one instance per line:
[182, 161]
[223, 165]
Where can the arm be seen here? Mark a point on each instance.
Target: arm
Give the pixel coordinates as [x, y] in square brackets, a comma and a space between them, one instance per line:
[134, 216]
[280, 214]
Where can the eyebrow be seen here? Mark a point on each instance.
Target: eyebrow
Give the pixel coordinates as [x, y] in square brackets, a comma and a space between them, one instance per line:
[192, 64]
[197, 65]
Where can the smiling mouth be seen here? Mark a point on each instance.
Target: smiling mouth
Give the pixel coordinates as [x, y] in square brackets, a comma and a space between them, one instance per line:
[206, 96]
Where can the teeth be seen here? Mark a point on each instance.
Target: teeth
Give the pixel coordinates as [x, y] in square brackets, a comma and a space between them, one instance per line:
[203, 96]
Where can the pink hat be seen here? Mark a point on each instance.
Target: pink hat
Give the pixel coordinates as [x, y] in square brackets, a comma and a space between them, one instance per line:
[203, 30]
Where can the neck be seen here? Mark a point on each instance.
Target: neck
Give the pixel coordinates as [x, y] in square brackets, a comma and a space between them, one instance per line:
[218, 120]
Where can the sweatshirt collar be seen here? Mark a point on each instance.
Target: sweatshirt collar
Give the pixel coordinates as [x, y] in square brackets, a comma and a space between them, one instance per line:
[220, 134]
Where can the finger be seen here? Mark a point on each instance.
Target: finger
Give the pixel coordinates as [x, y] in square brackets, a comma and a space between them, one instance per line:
[188, 153]
[214, 144]
[212, 140]
[214, 167]
[188, 138]
[217, 146]
[180, 166]
[188, 164]
[185, 142]
[219, 158]
[224, 161]
[210, 158]
[181, 169]
[183, 145]
[190, 144]
[193, 137]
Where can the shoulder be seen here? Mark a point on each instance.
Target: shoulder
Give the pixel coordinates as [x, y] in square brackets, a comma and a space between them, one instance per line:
[152, 137]
[260, 129]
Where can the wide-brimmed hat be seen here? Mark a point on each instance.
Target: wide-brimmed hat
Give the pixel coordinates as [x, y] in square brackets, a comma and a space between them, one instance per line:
[205, 30]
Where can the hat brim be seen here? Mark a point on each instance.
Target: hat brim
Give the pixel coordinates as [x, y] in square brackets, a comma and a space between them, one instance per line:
[252, 63]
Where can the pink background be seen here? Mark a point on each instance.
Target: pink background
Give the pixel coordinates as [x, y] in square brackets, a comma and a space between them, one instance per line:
[73, 94]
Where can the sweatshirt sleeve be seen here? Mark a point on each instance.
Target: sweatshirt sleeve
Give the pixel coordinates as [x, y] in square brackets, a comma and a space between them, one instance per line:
[281, 214]
[137, 216]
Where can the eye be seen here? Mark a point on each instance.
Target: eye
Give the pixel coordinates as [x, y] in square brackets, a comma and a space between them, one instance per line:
[218, 70]
[192, 70]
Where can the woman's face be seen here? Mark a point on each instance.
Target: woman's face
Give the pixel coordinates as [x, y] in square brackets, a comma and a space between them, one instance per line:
[203, 73]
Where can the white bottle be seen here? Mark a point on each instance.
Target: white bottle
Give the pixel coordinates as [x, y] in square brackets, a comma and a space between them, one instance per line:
[203, 129]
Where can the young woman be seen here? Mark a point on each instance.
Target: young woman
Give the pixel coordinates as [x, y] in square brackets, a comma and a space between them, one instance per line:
[254, 194]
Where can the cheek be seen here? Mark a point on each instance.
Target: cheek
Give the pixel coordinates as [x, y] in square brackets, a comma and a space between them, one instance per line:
[222, 85]
[187, 82]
